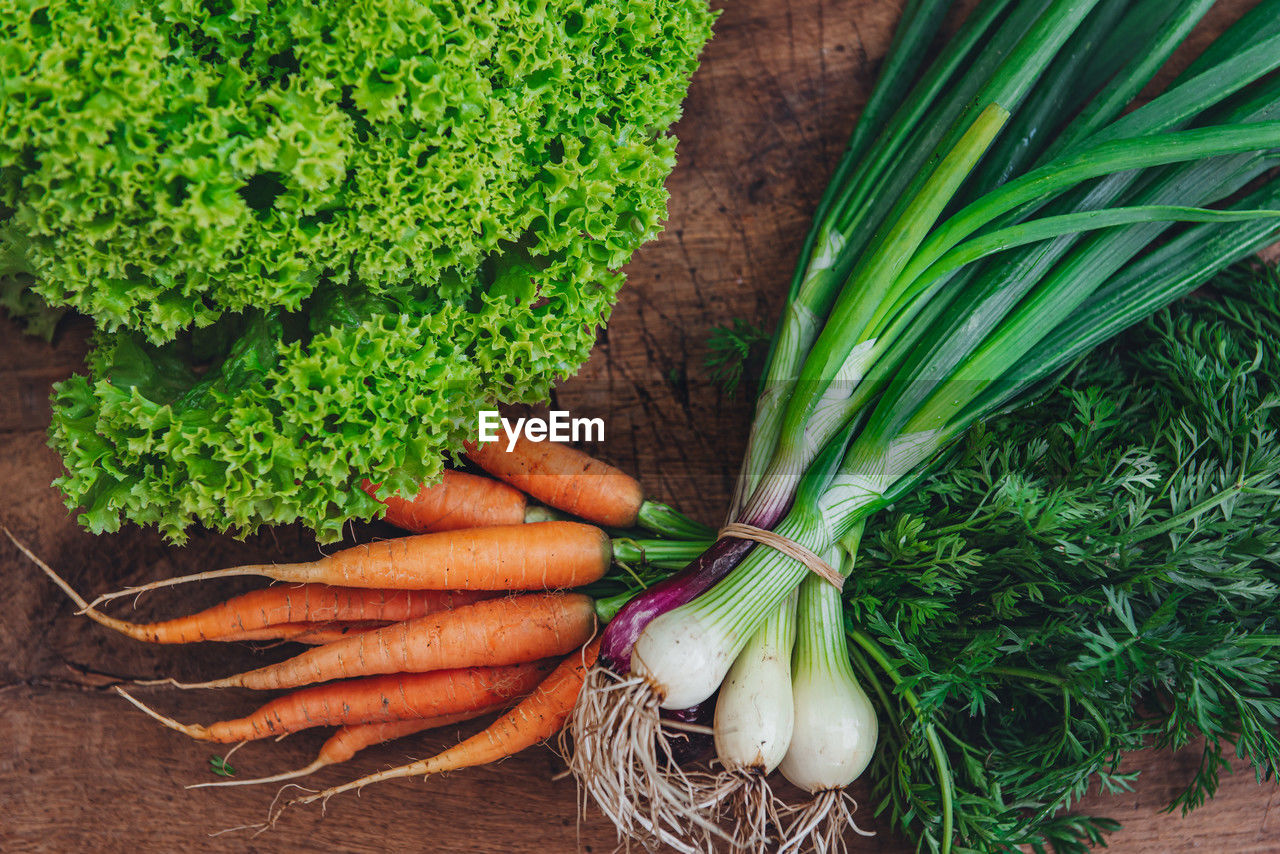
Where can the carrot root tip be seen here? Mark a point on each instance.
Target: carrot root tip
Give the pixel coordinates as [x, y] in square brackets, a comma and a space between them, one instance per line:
[191, 686]
[258, 828]
[48, 570]
[107, 597]
[195, 731]
[232, 572]
[277, 808]
[276, 778]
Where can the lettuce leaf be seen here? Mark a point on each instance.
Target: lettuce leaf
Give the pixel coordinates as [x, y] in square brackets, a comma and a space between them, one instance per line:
[316, 237]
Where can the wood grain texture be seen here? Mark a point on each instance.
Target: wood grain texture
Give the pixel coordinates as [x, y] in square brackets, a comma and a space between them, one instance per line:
[764, 122]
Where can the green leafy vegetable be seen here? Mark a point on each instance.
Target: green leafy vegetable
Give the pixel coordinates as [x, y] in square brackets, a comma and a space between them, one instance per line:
[219, 766]
[729, 348]
[316, 237]
[22, 304]
[1089, 576]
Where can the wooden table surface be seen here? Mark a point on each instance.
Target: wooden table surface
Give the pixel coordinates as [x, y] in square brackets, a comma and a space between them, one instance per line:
[768, 112]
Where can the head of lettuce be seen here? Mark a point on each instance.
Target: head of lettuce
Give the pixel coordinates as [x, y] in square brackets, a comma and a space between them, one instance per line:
[315, 237]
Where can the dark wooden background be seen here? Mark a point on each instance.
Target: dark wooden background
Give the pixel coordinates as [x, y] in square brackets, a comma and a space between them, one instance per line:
[768, 112]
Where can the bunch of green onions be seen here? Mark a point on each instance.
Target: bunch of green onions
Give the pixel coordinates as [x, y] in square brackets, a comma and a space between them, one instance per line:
[997, 214]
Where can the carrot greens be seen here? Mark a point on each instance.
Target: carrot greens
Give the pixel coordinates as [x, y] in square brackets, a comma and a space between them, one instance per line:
[729, 349]
[1083, 578]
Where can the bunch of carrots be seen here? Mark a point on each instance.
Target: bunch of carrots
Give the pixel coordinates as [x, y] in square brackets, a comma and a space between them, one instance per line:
[473, 613]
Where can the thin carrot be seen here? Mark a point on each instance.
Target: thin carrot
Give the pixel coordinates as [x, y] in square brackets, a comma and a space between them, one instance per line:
[461, 500]
[376, 699]
[351, 739]
[534, 719]
[275, 612]
[564, 478]
[487, 634]
[313, 634]
[537, 556]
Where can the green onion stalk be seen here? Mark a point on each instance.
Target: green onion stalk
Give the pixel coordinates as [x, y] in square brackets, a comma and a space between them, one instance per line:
[995, 215]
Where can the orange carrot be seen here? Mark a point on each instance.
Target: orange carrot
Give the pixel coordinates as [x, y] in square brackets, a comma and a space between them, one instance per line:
[351, 739]
[537, 556]
[487, 634]
[314, 634]
[534, 719]
[377, 699]
[564, 478]
[278, 611]
[459, 501]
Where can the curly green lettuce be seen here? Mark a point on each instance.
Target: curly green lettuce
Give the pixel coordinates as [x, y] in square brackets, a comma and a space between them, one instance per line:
[316, 237]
